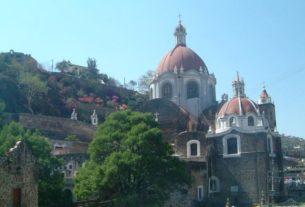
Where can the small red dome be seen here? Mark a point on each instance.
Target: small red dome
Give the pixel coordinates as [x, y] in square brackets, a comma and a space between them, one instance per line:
[239, 106]
[181, 56]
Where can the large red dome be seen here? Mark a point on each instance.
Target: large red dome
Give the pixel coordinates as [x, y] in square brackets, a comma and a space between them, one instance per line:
[238, 106]
[181, 56]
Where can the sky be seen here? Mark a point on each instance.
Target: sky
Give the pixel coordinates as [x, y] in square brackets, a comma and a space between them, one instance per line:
[263, 40]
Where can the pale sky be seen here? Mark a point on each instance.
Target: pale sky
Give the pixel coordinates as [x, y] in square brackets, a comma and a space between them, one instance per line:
[262, 39]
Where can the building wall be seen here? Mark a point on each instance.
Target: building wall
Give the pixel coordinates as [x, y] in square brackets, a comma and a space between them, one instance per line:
[18, 170]
[245, 178]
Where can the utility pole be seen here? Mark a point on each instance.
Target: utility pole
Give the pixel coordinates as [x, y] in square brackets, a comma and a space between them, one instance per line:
[52, 64]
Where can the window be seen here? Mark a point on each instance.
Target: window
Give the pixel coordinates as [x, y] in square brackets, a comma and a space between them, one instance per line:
[192, 89]
[270, 145]
[200, 193]
[250, 121]
[167, 91]
[231, 146]
[214, 184]
[232, 121]
[193, 148]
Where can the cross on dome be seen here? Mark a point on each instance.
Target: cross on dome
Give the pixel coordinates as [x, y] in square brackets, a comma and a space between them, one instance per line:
[180, 33]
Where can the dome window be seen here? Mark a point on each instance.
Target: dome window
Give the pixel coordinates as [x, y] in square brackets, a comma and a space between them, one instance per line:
[192, 90]
[232, 121]
[250, 121]
[167, 91]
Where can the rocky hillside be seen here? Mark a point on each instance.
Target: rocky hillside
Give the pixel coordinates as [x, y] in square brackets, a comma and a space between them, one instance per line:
[293, 146]
[25, 87]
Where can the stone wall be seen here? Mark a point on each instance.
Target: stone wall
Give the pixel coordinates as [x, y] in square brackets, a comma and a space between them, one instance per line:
[246, 177]
[56, 127]
[18, 172]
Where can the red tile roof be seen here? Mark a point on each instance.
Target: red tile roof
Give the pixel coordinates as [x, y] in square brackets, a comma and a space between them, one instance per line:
[181, 56]
[239, 106]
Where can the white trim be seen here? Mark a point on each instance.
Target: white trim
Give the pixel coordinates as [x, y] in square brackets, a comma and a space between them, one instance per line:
[270, 147]
[188, 148]
[200, 193]
[225, 146]
[217, 184]
[234, 123]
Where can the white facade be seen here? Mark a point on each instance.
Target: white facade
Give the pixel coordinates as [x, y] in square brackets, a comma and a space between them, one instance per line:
[180, 88]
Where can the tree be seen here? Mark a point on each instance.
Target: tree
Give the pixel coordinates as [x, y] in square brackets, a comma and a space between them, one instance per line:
[144, 82]
[131, 163]
[92, 68]
[32, 87]
[51, 181]
[63, 66]
[132, 84]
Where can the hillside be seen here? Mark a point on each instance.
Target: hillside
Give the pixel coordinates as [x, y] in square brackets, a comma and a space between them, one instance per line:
[25, 87]
[293, 146]
[68, 89]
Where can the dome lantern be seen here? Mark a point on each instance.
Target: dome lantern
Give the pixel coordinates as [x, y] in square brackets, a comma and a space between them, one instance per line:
[180, 34]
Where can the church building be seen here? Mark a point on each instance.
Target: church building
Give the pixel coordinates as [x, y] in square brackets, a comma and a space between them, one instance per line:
[232, 147]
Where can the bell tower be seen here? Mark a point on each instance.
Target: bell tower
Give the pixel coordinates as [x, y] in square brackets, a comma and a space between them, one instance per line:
[266, 107]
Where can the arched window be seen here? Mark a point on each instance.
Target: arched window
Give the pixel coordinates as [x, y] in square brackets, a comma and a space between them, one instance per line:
[270, 145]
[167, 90]
[192, 90]
[231, 146]
[214, 184]
[232, 121]
[200, 193]
[193, 148]
[250, 121]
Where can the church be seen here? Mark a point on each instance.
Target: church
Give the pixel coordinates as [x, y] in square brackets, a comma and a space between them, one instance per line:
[232, 147]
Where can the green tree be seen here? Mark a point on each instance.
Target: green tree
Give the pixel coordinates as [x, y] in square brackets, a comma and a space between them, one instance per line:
[144, 82]
[51, 181]
[92, 68]
[63, 66]
[32, 87]
[131, 163]
[2, 108]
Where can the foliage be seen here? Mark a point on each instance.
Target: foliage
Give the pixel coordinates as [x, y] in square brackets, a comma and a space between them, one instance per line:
[71, 84]
[32, 87]
[72, 137]
[63, 65]
[2, 107]
[92, 68]
[144, 82]
[51, 181]
[130, 162]
[293, 146]
[132, 84]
